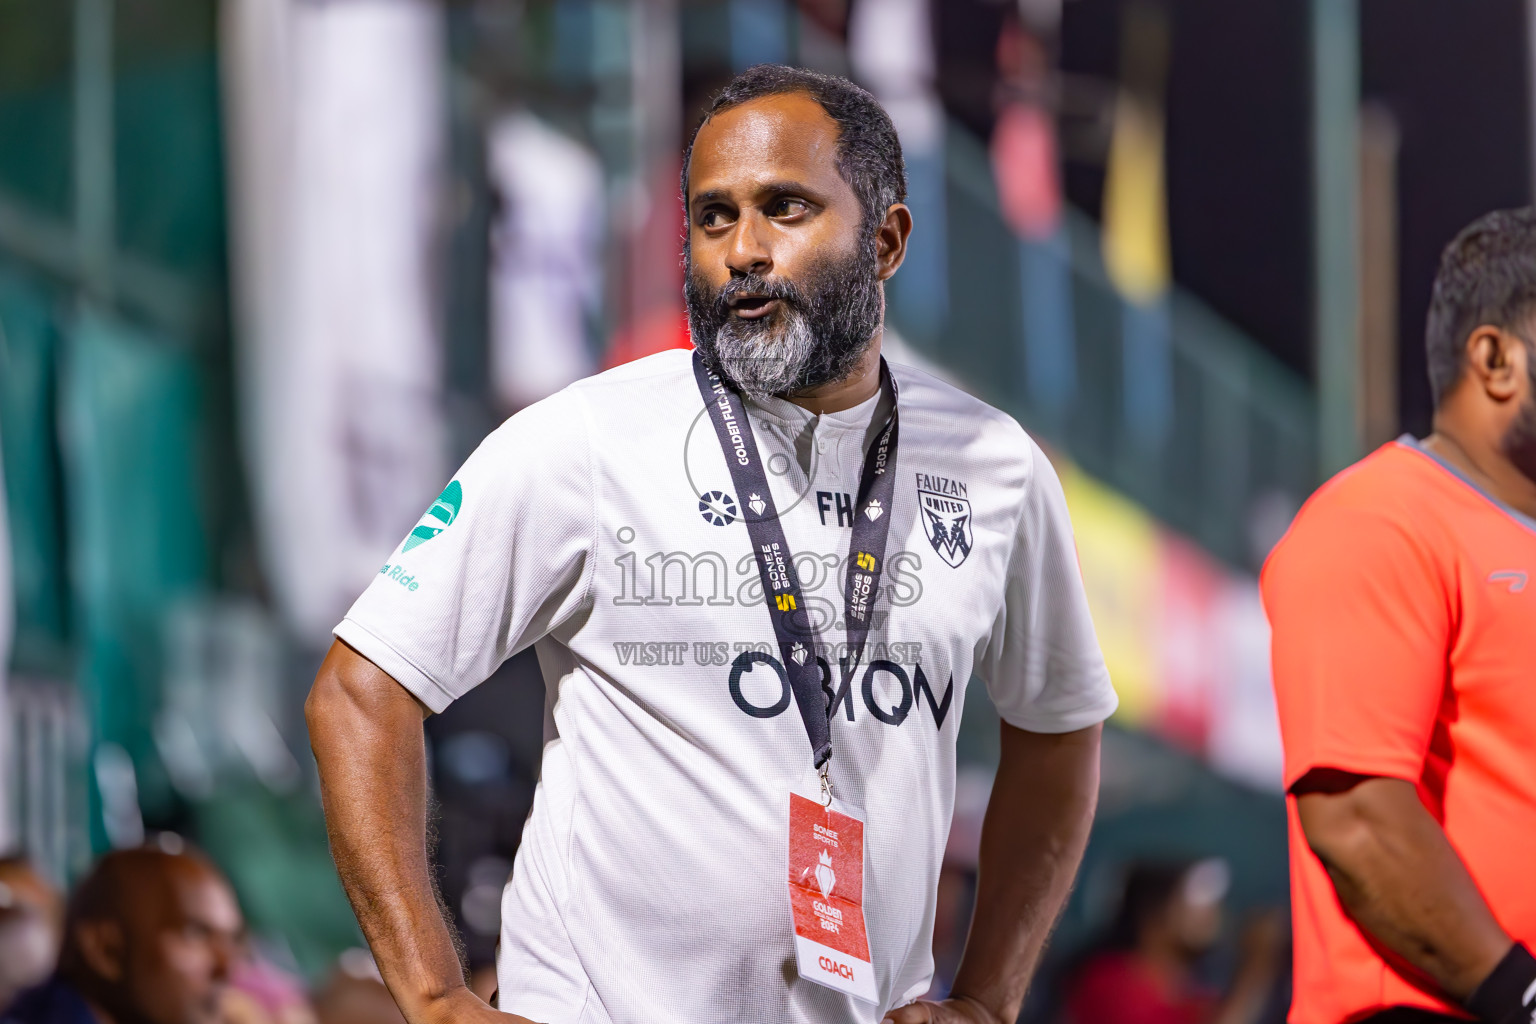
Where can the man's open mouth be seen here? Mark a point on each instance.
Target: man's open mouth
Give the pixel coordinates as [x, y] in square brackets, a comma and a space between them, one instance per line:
[753, 307]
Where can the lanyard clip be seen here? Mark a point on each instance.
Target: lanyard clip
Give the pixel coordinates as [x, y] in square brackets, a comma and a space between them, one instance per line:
[826, 785]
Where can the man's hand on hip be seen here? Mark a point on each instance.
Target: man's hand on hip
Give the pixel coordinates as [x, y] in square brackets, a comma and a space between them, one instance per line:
[461, 1006]
[950, 1011]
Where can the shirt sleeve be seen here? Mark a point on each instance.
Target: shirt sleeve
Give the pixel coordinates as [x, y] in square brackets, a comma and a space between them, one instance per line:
[1042, 664]
[1360, 623]
[500, 559]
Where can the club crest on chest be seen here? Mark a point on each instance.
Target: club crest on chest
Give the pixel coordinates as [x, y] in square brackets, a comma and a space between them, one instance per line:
[945, 509]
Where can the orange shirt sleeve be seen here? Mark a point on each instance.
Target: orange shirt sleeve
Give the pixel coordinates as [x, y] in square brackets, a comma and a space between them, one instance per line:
[1360, 615]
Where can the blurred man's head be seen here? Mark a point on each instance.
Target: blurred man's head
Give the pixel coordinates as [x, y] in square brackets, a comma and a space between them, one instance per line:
[1174, 905]
[792, 186]
[150, 937]
[1479, 337]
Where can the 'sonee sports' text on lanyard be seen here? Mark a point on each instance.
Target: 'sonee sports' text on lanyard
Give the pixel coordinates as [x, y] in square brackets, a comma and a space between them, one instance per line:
[775, 560]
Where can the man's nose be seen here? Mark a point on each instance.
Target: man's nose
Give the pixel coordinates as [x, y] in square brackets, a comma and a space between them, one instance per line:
[749, 253]
[226, 953]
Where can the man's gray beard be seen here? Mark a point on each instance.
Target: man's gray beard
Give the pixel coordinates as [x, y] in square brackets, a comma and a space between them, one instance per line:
[763, 362]
[816, 336]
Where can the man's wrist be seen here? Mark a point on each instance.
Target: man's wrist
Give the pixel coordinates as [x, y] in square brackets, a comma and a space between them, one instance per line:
[439, 1008]
[983, 1007]
[1508, 994]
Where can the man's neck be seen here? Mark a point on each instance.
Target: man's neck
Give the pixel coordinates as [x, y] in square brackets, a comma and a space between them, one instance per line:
[858, 387]
[1483, 463]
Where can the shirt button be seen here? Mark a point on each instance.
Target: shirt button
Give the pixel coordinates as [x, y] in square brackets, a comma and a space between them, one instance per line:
[821, 445]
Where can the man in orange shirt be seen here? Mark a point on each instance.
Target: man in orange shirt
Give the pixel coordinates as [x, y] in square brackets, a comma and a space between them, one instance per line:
[1404, 644]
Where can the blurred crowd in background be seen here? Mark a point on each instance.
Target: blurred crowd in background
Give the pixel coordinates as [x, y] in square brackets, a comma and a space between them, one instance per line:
[269, 269]
[155, 934]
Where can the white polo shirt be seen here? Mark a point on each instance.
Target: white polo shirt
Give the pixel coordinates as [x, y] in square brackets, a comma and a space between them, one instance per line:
[601, 527]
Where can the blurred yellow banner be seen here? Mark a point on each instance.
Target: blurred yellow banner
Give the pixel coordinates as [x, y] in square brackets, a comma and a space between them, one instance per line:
[1184, 636]
[1117, 547]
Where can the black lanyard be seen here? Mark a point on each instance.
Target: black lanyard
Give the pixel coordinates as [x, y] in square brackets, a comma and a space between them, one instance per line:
[775, 560]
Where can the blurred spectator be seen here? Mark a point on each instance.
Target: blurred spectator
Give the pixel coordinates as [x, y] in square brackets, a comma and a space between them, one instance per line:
[150, 937]
[27, 949]
[355, 994]
[1170, 916]
[259, 993]
[26, 885]
[31, 921]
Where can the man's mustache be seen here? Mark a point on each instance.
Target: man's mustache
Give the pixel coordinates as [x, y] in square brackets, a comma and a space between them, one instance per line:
[754, 286]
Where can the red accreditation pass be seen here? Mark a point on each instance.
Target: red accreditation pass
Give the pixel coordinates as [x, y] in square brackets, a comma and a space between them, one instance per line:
[826, 892]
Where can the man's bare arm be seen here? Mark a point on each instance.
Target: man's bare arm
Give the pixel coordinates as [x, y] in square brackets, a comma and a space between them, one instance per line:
[365, 730]
[1399, 877]
[1032, 842]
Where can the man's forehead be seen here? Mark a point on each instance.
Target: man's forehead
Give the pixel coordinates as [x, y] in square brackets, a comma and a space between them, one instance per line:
[213, 903]
[782, 136]
[200, 895]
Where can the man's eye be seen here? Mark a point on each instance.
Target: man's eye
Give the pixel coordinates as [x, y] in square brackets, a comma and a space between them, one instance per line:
[712, 219]
[785, 207]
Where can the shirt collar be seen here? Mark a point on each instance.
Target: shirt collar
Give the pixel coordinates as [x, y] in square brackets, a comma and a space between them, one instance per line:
[1409, 441]
[783, 411]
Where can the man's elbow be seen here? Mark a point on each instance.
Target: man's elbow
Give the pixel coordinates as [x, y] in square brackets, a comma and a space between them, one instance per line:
[334, 696]
[326, 696]
[351, 696]
[1342, 841]
[1341, 816]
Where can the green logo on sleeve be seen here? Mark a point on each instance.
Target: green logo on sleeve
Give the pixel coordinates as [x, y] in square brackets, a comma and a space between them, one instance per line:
[438, 518]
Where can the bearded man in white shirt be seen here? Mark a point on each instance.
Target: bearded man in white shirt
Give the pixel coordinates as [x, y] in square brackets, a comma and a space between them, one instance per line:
[758, 578]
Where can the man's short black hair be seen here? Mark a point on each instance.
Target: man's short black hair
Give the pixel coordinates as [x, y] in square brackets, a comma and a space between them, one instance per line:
[1487, 276]
[1150, 886]
[868, 151]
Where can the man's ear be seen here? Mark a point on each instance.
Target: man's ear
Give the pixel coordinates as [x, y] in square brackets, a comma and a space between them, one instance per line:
[891, 240]
[1496, 358]
[102, 948]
